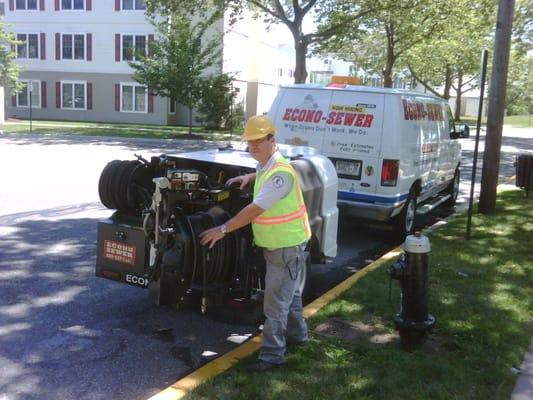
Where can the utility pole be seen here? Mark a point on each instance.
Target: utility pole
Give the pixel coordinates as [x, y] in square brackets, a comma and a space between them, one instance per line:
[30, 89]
[496, 109]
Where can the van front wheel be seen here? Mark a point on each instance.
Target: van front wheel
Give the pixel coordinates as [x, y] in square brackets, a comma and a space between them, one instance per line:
[404, 223]
[453, 190]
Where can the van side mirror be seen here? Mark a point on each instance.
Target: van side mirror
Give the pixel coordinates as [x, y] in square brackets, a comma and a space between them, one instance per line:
[460, 131]
[463, 130]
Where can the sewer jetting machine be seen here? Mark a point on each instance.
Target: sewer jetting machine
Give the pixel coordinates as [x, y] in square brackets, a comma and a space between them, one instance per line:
[163, 204]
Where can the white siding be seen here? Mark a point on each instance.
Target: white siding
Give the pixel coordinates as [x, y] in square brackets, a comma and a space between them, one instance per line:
[103, 22]
[2, 105]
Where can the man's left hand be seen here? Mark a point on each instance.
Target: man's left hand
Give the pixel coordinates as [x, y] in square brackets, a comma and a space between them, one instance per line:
[211, 236]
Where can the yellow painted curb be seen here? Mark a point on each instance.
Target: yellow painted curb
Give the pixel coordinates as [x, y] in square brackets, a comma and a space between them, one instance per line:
[182, 387]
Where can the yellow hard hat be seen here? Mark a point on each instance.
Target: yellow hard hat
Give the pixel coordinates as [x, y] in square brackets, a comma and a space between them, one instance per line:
[258, 127]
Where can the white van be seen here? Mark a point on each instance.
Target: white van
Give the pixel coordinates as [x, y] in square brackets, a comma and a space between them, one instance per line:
[393, 149]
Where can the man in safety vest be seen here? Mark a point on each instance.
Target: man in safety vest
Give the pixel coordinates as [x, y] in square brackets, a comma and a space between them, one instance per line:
[281, 227]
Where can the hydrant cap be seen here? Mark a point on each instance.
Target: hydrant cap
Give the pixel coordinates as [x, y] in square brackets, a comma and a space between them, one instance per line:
[417, 244]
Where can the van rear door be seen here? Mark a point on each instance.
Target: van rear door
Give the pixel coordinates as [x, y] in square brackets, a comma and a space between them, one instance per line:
[352, 139]
[343, 124]
[299, 115]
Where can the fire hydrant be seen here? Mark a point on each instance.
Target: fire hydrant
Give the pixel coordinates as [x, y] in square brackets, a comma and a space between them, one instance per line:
[411, 270]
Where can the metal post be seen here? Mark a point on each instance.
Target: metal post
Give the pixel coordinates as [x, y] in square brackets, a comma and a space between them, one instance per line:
[484, 57]
[231, 113]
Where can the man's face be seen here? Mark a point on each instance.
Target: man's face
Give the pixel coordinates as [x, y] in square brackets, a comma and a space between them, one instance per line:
[261, 149]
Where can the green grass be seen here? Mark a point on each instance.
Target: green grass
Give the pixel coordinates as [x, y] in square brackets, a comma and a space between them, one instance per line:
[519, 121]
[516, 121]
[481, 292]
[113, 130]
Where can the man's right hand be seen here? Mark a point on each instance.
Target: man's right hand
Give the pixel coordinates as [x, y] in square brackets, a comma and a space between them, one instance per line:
[243, 180]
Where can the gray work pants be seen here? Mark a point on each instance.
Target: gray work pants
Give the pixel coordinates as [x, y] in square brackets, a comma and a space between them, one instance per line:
[283, 302]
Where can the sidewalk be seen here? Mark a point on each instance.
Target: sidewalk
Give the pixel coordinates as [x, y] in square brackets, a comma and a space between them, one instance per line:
[524, 385]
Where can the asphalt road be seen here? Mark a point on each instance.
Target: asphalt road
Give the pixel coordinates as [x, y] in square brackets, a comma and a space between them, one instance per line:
[66, 334]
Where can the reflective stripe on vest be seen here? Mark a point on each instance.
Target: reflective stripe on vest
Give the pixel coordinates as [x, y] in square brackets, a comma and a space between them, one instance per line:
[285, 224]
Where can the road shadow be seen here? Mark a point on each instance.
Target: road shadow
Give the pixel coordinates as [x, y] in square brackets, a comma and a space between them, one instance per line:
[65, 333]
[181, 144]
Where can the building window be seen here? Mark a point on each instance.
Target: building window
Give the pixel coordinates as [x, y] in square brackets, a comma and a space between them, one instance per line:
[280, 71]
[28, 46]
[73, 95]
[73, 46]
[133, 5]
[26, 4]
[72, 4]
[134, 98]
[23, 97]
[133, 47]
[171, 106]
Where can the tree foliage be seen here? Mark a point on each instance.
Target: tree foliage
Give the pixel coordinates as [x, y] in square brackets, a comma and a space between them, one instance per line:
[9, 71]
[217, 101]
[523, 26]
[519, 97]
[383, 36]
[290, 13]
[455, 54]
[437, 42]
[179, 56]
[519, 94]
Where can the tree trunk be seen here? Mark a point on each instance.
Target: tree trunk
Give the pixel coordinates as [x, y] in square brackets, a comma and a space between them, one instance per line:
[493, 139]
[387, 75]
[300, 69]
[447, 82]
[190, 121]
[458, 98]
[387, 72]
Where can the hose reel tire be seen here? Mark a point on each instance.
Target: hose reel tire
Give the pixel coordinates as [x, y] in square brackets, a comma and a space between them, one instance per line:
[120, 183]
[140, 187]
[104, 185]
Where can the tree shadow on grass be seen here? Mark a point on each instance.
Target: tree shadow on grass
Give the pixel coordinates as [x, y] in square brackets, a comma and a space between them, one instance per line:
[481, 293]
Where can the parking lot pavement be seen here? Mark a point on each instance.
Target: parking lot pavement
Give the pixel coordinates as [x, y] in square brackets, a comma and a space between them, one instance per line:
[46, 171]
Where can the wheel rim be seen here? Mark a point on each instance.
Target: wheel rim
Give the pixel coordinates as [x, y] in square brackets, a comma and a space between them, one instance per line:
[410, 216]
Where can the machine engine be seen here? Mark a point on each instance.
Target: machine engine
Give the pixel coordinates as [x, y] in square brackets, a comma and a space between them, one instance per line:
[162, 205]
